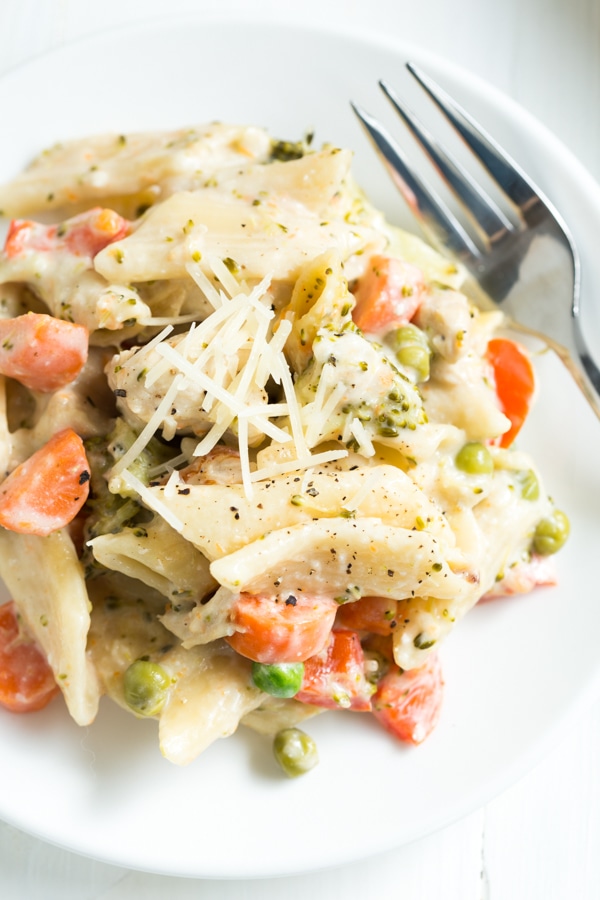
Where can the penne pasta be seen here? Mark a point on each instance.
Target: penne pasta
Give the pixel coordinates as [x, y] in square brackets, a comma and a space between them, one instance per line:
[45, 580]
[288, 470]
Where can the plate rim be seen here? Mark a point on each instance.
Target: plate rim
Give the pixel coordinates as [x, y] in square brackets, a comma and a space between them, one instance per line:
[511, 109]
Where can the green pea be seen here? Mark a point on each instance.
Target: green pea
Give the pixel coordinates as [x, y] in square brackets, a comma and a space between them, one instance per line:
[145, 687]
[551, 533]
[295, 751]
[412, 350]
[530, 486]
[475, 459]
[280, 679]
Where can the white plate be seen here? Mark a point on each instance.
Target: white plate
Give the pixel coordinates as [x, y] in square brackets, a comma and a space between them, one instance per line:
[516, 670]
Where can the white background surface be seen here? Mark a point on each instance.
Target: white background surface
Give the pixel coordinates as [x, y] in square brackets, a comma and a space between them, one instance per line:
[541, 838]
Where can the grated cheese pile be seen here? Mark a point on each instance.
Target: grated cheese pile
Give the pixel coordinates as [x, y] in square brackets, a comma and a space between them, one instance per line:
[239, 346]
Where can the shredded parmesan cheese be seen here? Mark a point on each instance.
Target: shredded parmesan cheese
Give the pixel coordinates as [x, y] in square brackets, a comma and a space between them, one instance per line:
[296, 465]
[226, 277]
[172, 483]
[229, 357]
[367, 488]
[205, 285]
[244, 457]
[149, 430]
[148, 321]
[151, 500]
[365, 444]
[318, 421]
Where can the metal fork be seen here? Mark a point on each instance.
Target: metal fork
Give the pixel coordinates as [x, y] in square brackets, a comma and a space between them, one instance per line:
[530, 267]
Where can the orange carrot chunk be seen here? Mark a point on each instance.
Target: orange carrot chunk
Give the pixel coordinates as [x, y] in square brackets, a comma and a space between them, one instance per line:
[408, 704]
[378, 615]
[47, 491]
[42, 352]
[335, 677]
[26, 680]
[281, 629]
[387, 295]
[515, 383]
[84, 235]
[21, 234]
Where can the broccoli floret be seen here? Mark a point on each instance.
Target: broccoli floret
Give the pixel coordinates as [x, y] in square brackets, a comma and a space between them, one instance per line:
[109, 513]
[284, 151]
[366, 385]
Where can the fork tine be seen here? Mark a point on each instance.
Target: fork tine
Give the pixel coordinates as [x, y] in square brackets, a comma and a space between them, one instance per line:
[485, 213]
[428, 208]
[501, 167]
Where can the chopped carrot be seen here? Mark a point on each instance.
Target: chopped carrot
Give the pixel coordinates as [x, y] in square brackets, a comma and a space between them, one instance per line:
[42, 352]
[335, 677]
[47, 491]
[377, 615]
[408, 704]
[82, 235]
[515, 383]
[387, 295]
[21, 233]
[88, 234]
[26, 680]
[281, 629]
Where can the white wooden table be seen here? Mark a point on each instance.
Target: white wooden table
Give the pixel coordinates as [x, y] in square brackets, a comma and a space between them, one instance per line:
[540, 840]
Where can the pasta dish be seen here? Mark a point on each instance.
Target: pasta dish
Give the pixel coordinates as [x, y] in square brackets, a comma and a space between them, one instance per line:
[258, 446]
